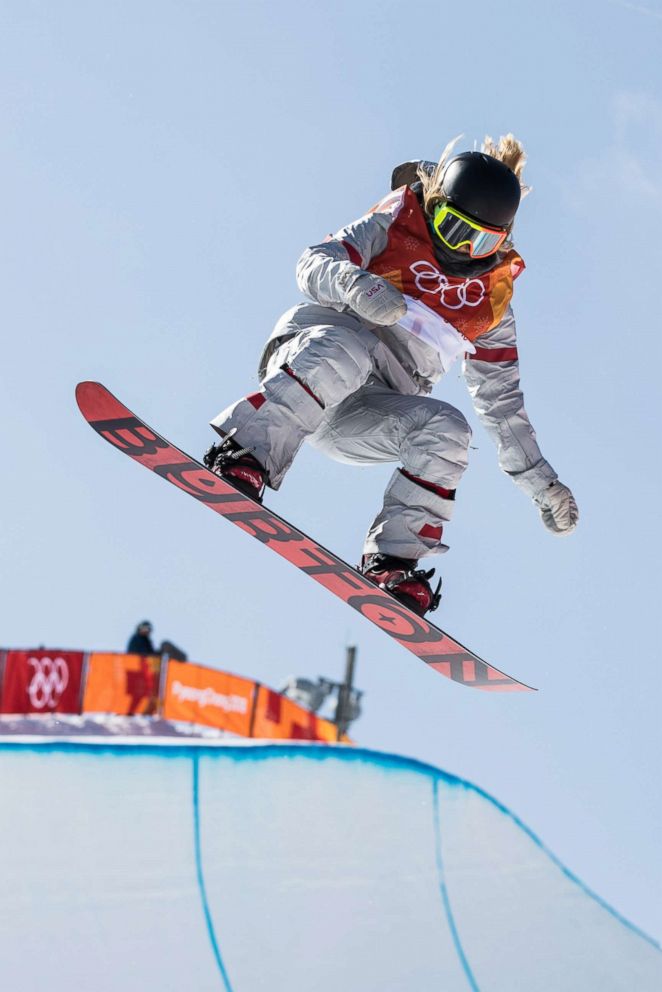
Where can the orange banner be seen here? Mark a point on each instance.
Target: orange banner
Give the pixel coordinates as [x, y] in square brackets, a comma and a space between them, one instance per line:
[279, 718]
[203, 695]
[126, 684]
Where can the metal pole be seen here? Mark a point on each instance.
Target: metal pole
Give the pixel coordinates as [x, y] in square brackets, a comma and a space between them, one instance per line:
[256, 692]
[163, 678]
[345, 693]
[85, 668]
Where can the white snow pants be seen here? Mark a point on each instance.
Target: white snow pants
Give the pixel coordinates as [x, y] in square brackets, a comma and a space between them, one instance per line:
[323, 385]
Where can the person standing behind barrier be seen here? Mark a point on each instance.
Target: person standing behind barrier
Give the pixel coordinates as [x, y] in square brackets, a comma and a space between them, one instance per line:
[140, 641]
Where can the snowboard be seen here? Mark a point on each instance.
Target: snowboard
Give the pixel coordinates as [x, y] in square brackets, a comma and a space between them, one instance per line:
[441, 652]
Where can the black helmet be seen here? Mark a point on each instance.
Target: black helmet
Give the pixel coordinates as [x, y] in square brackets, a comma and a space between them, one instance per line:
[482, 187]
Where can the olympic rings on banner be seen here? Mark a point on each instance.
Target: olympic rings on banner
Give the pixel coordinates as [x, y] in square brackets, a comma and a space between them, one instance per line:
[50, 679]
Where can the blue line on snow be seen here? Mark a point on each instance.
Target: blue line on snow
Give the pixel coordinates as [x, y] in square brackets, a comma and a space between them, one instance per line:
[444, 891]
[199, 872]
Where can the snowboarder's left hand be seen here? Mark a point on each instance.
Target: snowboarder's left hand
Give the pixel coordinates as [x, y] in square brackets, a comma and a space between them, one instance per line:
[558, 509]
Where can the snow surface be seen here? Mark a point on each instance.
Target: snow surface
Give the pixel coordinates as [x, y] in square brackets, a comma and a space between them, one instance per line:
[246, 867]
[101, 725]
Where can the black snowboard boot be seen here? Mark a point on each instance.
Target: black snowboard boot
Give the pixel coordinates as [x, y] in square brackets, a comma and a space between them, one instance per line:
[236, 464]
[401, 578]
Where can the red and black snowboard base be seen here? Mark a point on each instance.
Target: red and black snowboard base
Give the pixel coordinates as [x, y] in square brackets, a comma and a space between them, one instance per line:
[129, 434]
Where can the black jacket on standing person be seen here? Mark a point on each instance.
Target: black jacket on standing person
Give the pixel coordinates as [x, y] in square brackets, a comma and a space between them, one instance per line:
[140, 644]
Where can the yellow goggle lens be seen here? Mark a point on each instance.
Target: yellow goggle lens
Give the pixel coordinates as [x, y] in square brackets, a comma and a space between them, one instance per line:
[456, 229]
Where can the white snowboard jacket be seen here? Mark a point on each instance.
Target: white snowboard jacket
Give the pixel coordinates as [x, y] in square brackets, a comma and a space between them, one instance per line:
[392, 232]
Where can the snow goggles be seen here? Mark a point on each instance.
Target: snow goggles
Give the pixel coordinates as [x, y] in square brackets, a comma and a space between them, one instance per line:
[456, 229]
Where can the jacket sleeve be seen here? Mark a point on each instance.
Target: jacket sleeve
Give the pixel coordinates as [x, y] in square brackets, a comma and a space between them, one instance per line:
[492, 376]
[325, 270]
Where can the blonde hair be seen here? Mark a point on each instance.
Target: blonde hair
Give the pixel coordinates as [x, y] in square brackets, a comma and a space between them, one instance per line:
[508, 150]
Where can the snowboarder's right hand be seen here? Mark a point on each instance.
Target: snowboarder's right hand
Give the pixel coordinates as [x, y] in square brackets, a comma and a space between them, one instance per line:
[374, 299]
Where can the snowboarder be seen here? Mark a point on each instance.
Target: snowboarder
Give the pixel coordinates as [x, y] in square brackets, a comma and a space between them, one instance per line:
[424, 277]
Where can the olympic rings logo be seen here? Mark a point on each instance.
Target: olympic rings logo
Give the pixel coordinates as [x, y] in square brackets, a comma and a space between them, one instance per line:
[50, 679]
[429, 279]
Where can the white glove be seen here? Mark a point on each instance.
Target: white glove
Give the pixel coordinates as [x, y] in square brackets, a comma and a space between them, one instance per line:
[558, 509]
[375, 299]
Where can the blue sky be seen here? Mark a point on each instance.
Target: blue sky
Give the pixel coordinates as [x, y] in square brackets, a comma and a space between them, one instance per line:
[164, 165]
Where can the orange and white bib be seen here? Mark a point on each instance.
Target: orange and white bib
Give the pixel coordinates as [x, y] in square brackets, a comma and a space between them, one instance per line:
[474, 305]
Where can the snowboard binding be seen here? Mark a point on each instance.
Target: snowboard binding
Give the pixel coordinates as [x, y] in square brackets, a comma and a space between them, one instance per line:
[230, 461]
[400, 577]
